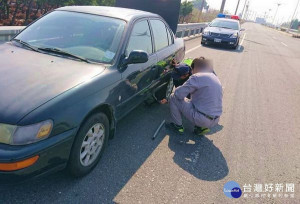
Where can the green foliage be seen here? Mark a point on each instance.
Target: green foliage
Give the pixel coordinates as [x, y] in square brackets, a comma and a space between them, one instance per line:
[22, 12]
[106, 2]
[200, 4]
[295, 24]
[185, 9]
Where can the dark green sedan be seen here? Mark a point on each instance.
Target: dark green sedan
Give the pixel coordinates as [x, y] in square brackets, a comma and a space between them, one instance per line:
[69, 77]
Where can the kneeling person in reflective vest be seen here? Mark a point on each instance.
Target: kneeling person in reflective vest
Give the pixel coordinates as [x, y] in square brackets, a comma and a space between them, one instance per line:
[205, 106]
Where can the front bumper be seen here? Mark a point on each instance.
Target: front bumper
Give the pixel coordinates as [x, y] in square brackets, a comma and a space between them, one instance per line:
[224, 41]
[53, 155]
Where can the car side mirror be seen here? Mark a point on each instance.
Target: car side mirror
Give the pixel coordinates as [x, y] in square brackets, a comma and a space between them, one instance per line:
[242, 29]
[136, 57]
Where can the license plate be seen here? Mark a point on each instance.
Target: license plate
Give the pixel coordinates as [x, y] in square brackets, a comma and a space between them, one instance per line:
[217, 40]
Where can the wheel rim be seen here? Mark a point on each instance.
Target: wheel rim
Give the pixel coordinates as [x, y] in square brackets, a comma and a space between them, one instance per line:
[92, 144]
[169, 88]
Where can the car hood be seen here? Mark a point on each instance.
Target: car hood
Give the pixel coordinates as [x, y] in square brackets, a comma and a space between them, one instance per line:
[221, 30]
[29, 79]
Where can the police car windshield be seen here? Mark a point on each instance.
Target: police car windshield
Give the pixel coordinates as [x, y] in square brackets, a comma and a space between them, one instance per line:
[84, 36]
[225, 24]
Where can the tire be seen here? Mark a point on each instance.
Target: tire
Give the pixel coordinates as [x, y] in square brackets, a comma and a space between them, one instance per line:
[170, 88]
[91, 142]
[161, 92]
[237, 44]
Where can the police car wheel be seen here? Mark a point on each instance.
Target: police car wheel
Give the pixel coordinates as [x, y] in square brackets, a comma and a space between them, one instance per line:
[237, 44]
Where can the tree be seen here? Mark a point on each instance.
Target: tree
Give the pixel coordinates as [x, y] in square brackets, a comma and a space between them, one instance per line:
[106, 2]
[23, 12]
[185, 9]
[200, 4]
[295, 24]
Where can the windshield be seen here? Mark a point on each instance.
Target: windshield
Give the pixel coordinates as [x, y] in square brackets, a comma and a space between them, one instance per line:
[225, 24]
[92, 37]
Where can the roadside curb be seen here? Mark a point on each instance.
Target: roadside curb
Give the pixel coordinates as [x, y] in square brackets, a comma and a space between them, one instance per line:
[296, 36]
[192, 37]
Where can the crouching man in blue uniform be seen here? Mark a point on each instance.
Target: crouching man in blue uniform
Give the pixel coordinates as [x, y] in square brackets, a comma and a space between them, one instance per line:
[205, 106]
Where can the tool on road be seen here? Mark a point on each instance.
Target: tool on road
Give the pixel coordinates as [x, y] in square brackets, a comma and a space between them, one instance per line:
[158, 129]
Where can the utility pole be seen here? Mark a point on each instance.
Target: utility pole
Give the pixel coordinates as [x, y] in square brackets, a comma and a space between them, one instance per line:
[246, 12]
[278, 4]
[293, 17]
[201, 8]
[237, 6]
[222, 6]
[244, 8]
[254, 16]
[268, 15]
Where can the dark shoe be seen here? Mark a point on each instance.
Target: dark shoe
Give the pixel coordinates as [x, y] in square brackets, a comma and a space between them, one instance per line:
[201, 131]
[176, 128]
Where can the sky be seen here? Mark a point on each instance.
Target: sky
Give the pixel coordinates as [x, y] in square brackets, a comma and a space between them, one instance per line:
[259, 7]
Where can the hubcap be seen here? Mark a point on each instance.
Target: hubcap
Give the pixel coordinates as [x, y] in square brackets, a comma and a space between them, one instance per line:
[92, 144]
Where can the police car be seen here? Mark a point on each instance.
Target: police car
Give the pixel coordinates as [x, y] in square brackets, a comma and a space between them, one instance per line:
[224, 30]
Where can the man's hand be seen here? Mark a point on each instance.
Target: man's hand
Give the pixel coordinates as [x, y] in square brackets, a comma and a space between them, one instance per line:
[164, 101]
[173, 63]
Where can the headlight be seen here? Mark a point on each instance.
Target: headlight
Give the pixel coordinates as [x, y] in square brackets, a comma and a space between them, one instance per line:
[205, 32]
[6, 132]
[21, 135]
[234, 35]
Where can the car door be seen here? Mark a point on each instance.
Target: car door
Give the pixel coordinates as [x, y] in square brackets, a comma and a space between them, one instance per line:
[138, 77]
[165, 51]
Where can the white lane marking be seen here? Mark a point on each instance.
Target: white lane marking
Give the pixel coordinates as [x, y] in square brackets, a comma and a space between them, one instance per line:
[190, 50]
[240, 45]
[284, 44]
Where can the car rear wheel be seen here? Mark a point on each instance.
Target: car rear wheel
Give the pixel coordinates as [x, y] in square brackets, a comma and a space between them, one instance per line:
[162, 92]
[89, 145]
[170, 88]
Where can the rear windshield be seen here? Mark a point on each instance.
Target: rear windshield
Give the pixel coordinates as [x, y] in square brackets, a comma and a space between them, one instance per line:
[93, 37]
[225, 24]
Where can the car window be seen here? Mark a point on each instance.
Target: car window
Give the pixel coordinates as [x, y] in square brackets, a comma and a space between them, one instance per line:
[225, 24]
[140, 38]
[160, 34]
[93, 37]
[170, 37]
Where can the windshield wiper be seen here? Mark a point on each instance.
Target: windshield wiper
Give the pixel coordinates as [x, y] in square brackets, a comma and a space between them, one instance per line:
[228, 28]
[25, 44]
[62, 52]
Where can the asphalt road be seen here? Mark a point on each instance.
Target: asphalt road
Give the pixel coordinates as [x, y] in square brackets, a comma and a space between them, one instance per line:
[257, 141]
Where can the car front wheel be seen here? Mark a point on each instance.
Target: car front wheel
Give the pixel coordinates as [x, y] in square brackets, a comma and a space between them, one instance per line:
[89, 145]
[237, 44]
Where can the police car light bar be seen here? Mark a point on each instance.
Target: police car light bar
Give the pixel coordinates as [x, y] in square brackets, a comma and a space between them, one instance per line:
[235, 17]
[221, 15]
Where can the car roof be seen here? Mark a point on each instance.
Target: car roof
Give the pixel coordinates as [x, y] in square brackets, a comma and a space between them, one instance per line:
[115, 12]
[227, 19]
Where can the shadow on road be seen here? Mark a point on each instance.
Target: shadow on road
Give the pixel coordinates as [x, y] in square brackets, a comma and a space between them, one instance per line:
[224, 48]
[255, 42]
[215, 129]
[124, 156]
[198, 156]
